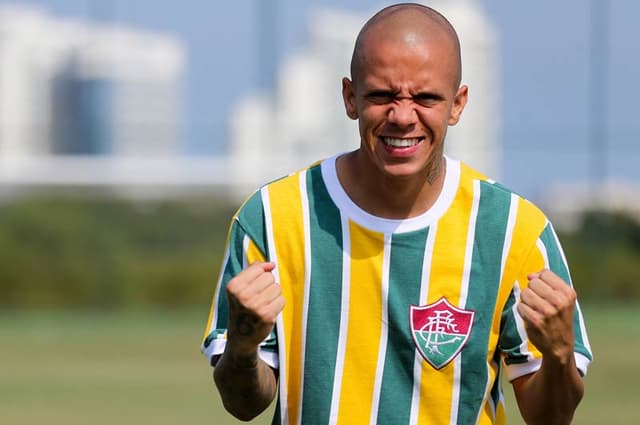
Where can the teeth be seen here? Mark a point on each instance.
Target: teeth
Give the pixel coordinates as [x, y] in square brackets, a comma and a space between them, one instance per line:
[400, 143]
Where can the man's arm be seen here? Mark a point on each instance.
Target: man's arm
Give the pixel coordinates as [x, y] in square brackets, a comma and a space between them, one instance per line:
[551, 394]
[247, 385]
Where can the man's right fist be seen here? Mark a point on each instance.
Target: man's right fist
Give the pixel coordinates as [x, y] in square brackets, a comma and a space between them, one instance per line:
[255, 300]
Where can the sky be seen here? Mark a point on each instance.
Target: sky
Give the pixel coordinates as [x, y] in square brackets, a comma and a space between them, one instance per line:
[559, 122]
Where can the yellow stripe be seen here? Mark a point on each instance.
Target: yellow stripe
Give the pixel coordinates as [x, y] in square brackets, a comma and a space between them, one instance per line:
[364, 329]
[253, 253]
[471, 173]
[524, 238]
[501, 414]
[486, 414]
[445, 280]
[287, 223]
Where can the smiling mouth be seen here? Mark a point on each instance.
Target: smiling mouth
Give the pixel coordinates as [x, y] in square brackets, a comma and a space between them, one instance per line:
[401, 143]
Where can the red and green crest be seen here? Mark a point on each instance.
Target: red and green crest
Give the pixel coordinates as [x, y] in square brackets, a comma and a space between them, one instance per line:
[440, 331]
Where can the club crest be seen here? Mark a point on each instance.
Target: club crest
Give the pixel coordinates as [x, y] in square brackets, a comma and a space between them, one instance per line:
[440, 331]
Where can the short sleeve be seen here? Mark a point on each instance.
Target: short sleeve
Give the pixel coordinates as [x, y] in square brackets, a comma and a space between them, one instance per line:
[240, 251]
[520, 356]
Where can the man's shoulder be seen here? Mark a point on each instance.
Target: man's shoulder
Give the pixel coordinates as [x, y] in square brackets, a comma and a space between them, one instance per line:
[278, 187]
[497, 190]
[291, 180]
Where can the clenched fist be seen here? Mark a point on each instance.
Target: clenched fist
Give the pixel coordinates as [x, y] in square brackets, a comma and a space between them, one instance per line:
[255, 301]
[547, 307]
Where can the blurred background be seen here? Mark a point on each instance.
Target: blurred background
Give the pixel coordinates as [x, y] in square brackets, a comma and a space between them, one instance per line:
[131, 131]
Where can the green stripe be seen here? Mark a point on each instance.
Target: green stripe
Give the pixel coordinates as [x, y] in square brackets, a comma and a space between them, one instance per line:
[557, 265]
[405, 276]
[323, 323]
[251, 218]
[496, 389]
[251, 212]
[510, 340]
[232, 267]
[277, 417]
[484, 282]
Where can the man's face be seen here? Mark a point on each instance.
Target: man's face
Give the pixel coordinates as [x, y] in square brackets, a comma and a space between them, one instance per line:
[405, 96]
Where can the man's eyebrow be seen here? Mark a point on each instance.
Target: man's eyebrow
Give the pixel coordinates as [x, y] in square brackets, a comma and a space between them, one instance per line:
[381, 92]
[428, 95]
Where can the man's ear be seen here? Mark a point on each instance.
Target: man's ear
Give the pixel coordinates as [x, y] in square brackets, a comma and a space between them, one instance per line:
[459, 103]
[349, 98]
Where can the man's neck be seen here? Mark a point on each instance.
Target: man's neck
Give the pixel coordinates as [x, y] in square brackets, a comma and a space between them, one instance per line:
[388, 196]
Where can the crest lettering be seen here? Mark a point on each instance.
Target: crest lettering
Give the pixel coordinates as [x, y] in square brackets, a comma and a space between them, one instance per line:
[440, 331]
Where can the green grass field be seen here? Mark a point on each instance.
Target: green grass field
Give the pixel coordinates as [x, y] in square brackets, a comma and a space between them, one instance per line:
[145, 367]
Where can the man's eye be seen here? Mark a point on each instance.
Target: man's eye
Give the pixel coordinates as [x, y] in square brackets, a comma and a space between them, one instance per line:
[380, 97]
[426, 99]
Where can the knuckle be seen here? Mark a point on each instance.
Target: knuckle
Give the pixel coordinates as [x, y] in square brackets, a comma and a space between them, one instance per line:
[549, 310]
[570, 293]
[234, 284]
[252, 305]
[232, 292]
[266, 315]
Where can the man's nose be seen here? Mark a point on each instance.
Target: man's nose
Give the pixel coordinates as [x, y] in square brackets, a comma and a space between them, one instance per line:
[402, 113]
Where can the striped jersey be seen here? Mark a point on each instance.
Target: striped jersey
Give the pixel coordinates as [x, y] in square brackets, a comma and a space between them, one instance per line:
[387, 321]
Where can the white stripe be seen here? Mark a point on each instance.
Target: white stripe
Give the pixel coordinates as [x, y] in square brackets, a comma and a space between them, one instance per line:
[216, 296]
[543, 252]
[511, 223]
[487, 397]
[583, 328]
[559, 246]
[284, 415]
[583, 332]
[384, 332]
[268, 357]
[522, 332]
[245, 248]
[307, 280]
[455, 397]
[464, 289]
[464, 292]
[344, 320]
[424, 292]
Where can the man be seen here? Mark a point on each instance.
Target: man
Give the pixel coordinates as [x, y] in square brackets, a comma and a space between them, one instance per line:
[401, 283]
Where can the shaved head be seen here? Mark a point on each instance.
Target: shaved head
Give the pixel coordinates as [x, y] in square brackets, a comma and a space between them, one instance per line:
[406, 23]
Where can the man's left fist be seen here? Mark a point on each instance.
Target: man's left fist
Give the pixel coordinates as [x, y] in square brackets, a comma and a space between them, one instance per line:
[547, 306]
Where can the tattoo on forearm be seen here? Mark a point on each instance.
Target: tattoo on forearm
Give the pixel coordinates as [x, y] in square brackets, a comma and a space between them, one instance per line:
[246, 324]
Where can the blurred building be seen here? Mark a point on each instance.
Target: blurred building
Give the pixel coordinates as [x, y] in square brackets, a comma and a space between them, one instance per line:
[566, 202]
[303, 120]
[71, 87]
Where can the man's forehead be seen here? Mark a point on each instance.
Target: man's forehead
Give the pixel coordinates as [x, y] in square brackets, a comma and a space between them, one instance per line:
[411, 28]
[398, 19]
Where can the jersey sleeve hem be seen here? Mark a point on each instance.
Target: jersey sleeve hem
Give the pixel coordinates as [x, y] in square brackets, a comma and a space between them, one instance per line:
[517, 370]
[582, 362]
[216, 348]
